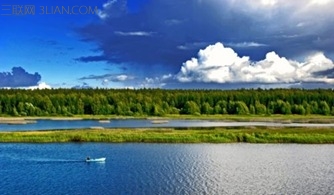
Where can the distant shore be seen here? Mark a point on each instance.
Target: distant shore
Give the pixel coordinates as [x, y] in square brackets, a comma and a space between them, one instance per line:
[170, 135]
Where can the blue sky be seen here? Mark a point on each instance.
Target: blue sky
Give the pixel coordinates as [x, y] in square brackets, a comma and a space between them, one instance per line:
[167, 44]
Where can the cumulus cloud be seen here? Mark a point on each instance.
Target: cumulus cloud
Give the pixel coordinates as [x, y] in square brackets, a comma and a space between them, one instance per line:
[41, 85]
[220, 64]
[269, 2]
[320, 2]
[19, 78]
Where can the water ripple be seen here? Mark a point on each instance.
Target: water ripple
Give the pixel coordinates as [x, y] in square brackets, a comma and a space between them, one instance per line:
[167, 169]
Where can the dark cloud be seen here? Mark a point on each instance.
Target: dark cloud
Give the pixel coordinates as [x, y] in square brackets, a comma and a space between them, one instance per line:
[160, 36]
[327, 73]
[19, 78]
[92, 58]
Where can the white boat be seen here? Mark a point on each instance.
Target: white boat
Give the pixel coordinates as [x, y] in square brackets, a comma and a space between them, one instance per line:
[95, 159]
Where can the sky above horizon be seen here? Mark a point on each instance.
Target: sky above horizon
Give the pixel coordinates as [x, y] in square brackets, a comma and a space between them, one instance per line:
[210, 44]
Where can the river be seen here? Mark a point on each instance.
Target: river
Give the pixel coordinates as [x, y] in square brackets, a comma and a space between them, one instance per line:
[166, 169]
[141, 123]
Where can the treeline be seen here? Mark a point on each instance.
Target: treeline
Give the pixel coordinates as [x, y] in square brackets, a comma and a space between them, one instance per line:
[158, 102]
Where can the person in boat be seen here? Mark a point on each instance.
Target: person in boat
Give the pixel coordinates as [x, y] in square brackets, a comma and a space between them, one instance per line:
[88, 158]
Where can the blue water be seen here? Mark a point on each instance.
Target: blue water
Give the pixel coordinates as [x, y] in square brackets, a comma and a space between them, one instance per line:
[167, 169]
[140, 123]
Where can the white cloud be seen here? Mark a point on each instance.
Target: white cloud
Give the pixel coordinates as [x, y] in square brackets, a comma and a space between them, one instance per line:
[102, 13]
[112, 8]
[135, 33]
[156, 82]
[116, 78]
[293, 10]
[246, 44]
[191, 46]
[109, 4]
[320, 2]
[122, 77]
[167, 76]
[221, 64]
[41, 85]
[269, 2]
[105, 82]
[280, 3]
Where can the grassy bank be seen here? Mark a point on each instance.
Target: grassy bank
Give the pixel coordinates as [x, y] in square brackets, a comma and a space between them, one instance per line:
[216, 135]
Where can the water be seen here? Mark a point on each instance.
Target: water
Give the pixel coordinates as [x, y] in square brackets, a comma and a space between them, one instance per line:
[167, 169]
[141, 123]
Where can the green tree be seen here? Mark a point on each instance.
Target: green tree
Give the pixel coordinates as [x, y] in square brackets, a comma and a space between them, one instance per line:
[324, 108]
[260, 108]
[206, 108]
[307, 107]
[156, 110]
[223, 107]
[298, 109]
[332, 111]
[252, 109]
[241, 108]
[192, 108]
[314, 107]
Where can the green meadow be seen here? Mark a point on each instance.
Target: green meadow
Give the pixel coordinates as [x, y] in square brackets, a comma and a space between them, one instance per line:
[170, 135]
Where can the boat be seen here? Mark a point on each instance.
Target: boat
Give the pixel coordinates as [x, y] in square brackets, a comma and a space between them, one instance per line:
[95, 159]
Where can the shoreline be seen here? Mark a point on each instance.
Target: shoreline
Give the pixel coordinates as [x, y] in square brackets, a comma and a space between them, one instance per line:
[261, 135]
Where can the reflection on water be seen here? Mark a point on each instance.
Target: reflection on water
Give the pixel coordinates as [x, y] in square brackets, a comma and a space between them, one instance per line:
[141, 123]
[167, 169]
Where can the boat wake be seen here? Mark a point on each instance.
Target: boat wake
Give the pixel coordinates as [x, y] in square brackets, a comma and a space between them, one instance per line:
[45, 160]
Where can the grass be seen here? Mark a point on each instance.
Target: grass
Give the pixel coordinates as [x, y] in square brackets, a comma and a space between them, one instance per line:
[164, 135]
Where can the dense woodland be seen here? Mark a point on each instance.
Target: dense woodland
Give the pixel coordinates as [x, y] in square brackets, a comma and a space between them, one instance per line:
[158, 102]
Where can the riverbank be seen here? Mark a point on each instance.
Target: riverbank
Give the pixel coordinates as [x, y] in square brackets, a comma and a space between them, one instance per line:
[169, 135]
[16, 121]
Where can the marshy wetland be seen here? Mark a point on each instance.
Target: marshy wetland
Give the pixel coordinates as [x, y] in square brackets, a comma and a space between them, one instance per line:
[231, 129]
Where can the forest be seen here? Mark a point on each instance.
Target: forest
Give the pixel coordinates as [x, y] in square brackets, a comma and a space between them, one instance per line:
[160, 102]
